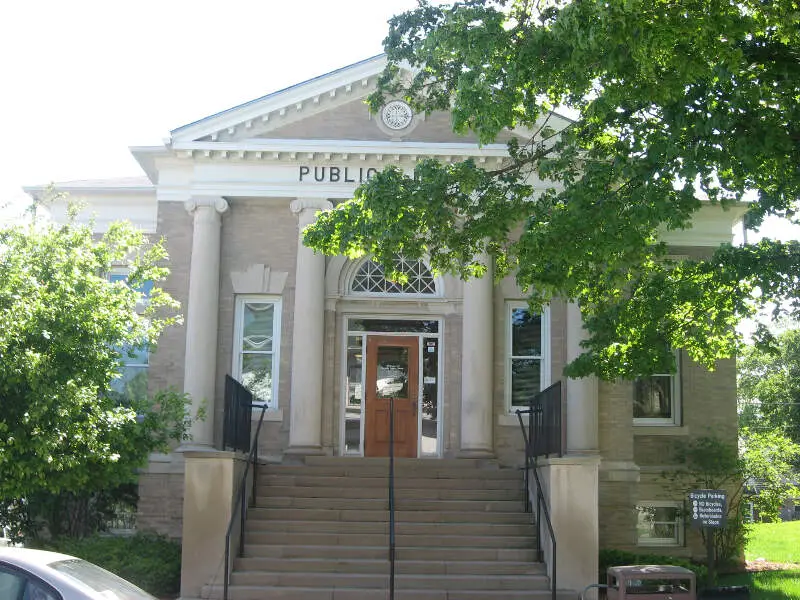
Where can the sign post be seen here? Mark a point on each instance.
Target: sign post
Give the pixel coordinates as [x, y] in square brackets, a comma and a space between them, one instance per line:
[709, 511]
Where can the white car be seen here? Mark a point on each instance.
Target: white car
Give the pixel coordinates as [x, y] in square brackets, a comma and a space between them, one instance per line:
[27, 574]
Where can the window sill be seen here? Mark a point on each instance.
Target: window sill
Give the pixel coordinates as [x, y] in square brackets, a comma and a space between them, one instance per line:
[659, 544]
[271, 414]
[660, 430]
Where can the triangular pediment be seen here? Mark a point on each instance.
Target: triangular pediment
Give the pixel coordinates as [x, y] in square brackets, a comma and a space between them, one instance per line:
[280, 109]
[329, 107]
[326, 116]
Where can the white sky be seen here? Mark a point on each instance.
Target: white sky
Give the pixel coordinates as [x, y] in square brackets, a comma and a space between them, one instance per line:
[84, 79]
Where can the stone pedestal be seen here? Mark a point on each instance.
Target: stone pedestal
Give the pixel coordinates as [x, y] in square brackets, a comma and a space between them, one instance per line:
[210, 485]
[570, 485]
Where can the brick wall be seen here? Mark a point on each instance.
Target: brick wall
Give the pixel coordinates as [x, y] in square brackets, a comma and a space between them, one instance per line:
[264, 231]
[160, 504]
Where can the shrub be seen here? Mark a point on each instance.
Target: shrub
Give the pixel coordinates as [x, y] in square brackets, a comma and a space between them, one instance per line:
[152, 562]
[615, 558]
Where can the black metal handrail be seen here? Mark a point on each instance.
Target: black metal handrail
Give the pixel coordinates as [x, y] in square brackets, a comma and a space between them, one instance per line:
[240, 399]
[391, 499]
[544, 422]
[542, 438]
[237, 418]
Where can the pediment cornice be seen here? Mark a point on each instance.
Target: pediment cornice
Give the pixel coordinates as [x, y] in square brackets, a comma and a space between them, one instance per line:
[266, 150]
[320, 93]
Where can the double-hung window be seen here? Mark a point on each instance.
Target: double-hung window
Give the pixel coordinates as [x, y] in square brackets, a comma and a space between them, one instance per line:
[656, 398]
[527, 353]
[131, 384]
[257, 346]
[659, 524]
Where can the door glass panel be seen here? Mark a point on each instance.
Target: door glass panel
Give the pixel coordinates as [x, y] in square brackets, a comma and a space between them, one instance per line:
[355, 394]
[392, 379]
[430, 395]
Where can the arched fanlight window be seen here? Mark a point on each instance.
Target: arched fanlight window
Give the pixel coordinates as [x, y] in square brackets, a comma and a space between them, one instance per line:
[371, 279]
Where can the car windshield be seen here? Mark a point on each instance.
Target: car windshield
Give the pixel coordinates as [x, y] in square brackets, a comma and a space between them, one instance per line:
[100, 580]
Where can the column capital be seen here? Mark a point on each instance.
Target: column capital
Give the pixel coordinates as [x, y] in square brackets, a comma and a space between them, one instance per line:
[216, 202]
[298, 205]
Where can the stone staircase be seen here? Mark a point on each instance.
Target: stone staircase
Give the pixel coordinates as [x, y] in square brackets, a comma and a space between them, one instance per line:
[320, 531]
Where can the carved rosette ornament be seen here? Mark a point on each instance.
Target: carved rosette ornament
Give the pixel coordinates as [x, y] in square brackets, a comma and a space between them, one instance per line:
[397, 115]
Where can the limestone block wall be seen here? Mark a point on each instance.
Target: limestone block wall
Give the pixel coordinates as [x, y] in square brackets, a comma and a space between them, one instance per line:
[166, 360]
[619, 473]
[508, 439]
[160, 507]
[160, 503]
[257, 231]
[635, 458]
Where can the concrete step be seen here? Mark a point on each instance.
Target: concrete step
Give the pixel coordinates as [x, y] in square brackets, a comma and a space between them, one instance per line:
[370, 504]
[376, 472]
[267, 525]
[382, 516]
[431, 493]
[305, 593]
[381, 566]
[402, 540]
[478, 482]
[319, 531]
[380, 581]
[422, 463]
[434, 554]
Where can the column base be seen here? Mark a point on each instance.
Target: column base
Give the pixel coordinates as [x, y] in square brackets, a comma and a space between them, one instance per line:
[475, 453]
[190, 446]
[305, 451]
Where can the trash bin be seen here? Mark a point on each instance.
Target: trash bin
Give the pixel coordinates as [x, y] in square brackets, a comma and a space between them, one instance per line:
[651, 582]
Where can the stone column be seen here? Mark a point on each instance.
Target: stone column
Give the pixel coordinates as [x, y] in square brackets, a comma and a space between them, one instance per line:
[202, 315]
[582, 394]
[477, 362]
[308, 339]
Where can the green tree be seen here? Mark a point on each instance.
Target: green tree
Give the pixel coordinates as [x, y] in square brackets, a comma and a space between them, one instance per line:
[707, 462]
[769, 459]
[63, 435]
[678, 103]
[769, 386]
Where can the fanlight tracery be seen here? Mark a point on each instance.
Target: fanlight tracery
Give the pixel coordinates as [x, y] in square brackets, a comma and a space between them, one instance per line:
[370, 278]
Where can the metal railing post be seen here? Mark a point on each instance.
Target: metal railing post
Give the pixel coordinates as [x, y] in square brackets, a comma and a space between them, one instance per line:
[391, 499]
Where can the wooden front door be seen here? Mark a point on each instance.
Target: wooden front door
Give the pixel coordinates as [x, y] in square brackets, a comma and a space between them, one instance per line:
[392, 372]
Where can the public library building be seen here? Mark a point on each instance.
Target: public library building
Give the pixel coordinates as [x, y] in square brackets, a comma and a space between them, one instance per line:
[324, 341]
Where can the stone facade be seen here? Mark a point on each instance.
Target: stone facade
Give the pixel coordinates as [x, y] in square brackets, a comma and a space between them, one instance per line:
[264, 233]
[230, 194]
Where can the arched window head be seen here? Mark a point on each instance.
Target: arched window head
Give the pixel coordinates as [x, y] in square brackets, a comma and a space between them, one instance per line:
[371, 279]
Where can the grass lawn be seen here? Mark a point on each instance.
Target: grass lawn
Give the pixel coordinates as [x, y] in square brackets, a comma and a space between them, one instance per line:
[776, 543]
[767, 585]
